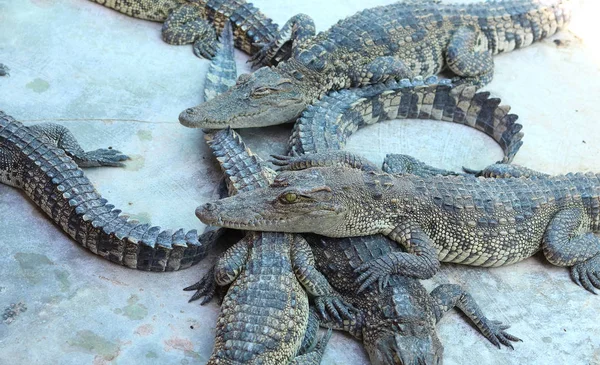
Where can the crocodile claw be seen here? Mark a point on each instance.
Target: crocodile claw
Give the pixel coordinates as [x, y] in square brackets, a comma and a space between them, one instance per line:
[496, 334]
[587, 274]
[206, 287]
[104, 157]
[330, 306]
[206, 50]
[373, 271]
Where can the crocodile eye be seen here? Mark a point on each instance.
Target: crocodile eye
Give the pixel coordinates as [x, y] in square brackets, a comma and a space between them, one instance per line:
[289, 198]
[261, 91]
[243, 78]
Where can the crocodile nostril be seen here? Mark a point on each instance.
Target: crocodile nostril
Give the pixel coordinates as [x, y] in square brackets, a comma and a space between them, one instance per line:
[210, 206]
[189, 110]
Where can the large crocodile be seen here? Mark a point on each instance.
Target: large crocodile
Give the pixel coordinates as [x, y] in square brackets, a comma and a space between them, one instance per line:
[396, 323]
[463, 220]
[395, 41]
[265, 315]
[197, 21]
[43, 161]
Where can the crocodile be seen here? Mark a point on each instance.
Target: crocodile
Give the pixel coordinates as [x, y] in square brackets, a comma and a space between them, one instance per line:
[265, 315]
[396, 323]
[199, 21]
[457, 219]
[396, 41]
[222, 70]
[4, 70]
[44, 161]
[328, 123]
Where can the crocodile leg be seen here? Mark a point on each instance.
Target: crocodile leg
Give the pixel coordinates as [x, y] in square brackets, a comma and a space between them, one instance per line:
[322, 159]
[502, 170]
[381, 70]
[327, 301]
[62, 138]
[232, 262]
[186, 25]
[467, 58]
[294, 32]
[405, 164]
[448, 296]
[567, 242]
[314, 357]
[420, 260]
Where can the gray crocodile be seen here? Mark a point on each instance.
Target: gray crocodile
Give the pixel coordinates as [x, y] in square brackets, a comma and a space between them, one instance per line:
[326, 125]
[396, 41]
[43, 161]
[463, 220]
[198, 21]
[265, 314]
[396, 323]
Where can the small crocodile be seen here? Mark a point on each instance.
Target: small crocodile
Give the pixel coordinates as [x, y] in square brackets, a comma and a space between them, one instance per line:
[458, 219]
[327, 124]
[395, 41]
[43, 160]
[396, 323]
[265, 314]
[197, 21]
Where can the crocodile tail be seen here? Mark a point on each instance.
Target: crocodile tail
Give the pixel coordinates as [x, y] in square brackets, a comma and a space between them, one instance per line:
[327, 124]
[222, 71]
[243, 169]
[59, 187]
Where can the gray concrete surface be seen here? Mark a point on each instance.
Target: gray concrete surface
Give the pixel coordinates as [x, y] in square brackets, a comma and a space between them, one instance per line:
[114, 82]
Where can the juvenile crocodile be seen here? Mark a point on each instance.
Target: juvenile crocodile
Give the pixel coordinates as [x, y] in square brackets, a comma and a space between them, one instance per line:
[327, 124]
[265, 314]
[463, 220]
[197, 21]
[42, 160]
[396, 323]
[395, 41]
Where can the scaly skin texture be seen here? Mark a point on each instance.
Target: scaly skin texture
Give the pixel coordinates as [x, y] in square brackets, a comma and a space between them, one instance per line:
[327, 124]
[222, 71]
[197, 21]
[396, 323]
[396, 41]
[42, 161]
[265, 316]
[463, 220]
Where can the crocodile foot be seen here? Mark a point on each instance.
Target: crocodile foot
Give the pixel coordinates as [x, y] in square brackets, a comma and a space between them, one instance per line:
[206, 287]
[330, 306]
[205, 48]
[104, 157]
[587, 274]
[496, 334]
[377, 270]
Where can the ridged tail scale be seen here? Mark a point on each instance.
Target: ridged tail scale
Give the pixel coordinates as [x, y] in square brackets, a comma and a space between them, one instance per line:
[59, 187]
[327, 124]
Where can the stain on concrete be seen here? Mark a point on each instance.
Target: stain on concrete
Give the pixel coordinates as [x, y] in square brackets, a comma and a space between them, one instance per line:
[133, 310]
[31, 264]
[547, 339]
[135, 163]
[144, 135]
[143, 217]
[181, 344]
[144, 330]
[12, 311]
[151, 355]
[89, 342]
[38, 85]
[63, 279]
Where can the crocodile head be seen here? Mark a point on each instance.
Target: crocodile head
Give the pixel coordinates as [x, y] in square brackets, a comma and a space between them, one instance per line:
[407, 344]
[265, 97]
[328, 201]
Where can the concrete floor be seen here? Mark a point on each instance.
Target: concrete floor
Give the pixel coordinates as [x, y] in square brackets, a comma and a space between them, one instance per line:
[114, 82]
